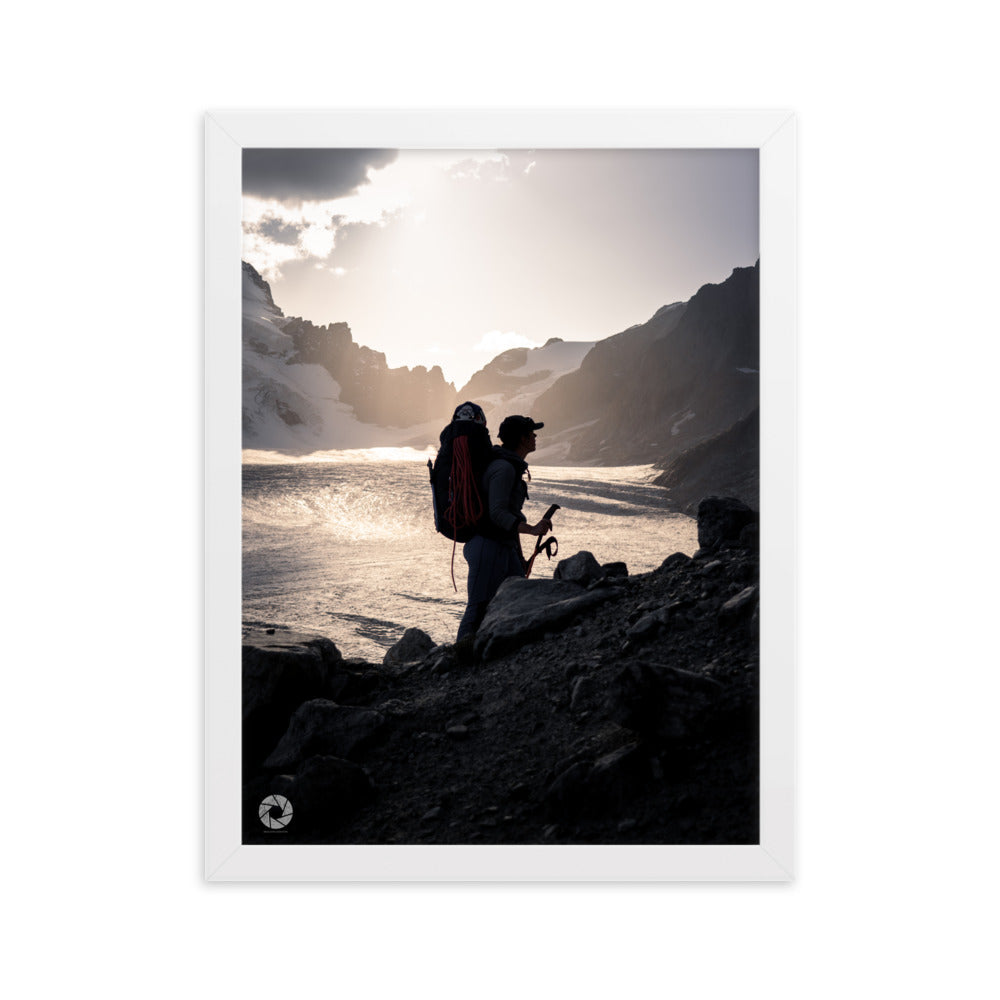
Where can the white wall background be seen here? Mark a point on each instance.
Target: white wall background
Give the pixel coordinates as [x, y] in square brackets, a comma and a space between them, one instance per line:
[102, 261]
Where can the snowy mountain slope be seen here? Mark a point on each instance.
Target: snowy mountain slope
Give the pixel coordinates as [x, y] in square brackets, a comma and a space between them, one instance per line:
[295, 407]
[512, 382]
[644, 395]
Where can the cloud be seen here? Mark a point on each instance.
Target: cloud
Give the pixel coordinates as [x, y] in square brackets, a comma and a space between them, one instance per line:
[279, 231]
[307, 204]
[267, 256]
[480, 167]
[275, 234]
[297, 175]
[496, 342]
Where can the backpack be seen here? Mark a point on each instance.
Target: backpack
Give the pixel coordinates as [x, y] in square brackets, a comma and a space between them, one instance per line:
[457, 472]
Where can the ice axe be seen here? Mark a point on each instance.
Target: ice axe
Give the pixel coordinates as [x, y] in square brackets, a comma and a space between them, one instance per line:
[551, 546]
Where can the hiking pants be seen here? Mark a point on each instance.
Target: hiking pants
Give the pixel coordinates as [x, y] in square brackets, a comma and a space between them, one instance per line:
[490, 563]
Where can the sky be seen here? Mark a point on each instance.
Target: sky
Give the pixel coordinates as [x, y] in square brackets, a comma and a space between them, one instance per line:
[448, 257]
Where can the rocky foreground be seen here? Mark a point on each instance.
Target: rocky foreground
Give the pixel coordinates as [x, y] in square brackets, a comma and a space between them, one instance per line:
[594, 708]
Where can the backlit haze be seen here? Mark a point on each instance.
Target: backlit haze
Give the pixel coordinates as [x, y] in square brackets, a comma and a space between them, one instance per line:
[451, 257]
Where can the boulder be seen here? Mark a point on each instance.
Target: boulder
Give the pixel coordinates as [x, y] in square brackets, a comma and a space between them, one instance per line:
[739, 607]
[721, 521]
[615, 569]
[414, 645]
[582, 692]
[322, 727]
[673, 562]
[661, 703]
[280, 671]
[524, 610]
[649, 624]
[442, 659]
[582, 568]
[593, 790]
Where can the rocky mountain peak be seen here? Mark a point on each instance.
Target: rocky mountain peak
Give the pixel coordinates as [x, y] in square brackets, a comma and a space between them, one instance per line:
[250, 274]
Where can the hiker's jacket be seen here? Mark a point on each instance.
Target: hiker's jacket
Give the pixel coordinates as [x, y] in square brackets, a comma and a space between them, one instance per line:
[506, 492]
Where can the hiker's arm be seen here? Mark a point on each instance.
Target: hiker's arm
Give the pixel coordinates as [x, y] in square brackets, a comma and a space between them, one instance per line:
[500, 478]
[539, 529]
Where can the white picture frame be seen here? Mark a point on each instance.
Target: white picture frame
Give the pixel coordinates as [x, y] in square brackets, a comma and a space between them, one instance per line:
[773, 134]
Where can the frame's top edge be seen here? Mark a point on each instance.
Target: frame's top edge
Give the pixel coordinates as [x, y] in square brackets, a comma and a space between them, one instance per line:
[496, 112]
[511, 127]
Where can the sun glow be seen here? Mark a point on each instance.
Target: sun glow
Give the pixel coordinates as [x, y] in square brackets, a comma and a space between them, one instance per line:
[496, 342]
[481, 251]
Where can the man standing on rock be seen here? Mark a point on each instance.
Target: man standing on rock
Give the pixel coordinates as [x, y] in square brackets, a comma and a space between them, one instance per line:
[494, 553]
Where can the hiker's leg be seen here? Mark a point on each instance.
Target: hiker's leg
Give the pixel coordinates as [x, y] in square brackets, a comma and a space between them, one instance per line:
[515, 563]
[490, 563]
[474, 614]
[478, 587]
[505, 562]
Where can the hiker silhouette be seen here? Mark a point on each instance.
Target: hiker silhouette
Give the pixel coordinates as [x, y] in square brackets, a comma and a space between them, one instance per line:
[494, 550]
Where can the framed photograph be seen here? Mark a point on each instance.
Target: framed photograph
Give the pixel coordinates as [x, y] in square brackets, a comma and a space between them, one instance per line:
[500, 495]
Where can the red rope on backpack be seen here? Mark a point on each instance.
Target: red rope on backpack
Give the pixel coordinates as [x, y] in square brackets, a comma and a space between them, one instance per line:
[466, 508]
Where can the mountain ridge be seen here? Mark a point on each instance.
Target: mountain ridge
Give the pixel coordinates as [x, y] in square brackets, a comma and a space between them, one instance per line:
[657, 389]
[308, 388]
[646, 395]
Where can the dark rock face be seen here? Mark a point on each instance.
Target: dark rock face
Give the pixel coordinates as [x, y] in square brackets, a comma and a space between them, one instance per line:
[657, 389]
[721, 521]
[281, 671]
[592, 789]
[725, 465]
[390, 397]
[324, 727]
[250, 272]
[326, 790]
[661, 703]
[626, 714]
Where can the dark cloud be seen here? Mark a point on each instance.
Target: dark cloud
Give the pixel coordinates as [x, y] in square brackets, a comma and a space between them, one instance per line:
[278, 231]
[296, 175]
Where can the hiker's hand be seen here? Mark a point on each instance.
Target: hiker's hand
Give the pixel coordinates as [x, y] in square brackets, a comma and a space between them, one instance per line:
[539, 529]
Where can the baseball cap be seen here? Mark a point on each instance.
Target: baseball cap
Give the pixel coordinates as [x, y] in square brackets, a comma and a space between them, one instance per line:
[514, 428]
